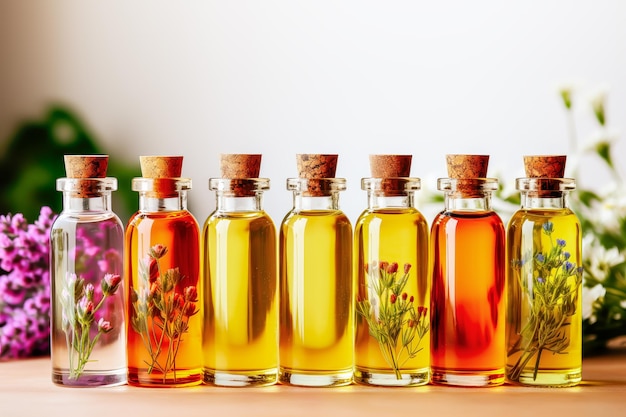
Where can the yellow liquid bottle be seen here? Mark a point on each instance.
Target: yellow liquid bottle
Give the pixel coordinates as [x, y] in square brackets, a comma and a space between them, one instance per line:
[544, 317]
[392, 345]
[316, 288]
[240, 337]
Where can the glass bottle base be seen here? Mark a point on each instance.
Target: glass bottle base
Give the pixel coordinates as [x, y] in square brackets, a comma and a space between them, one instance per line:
[550, 378]
[90, 378]
[410, 378]
[179, 379]
[315, 379]
[240, 379]
[468, 378]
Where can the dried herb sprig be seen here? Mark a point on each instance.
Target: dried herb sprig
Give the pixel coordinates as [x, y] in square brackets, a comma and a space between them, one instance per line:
[78, 315]
[392, 317]
[161, 312]
[552, 297]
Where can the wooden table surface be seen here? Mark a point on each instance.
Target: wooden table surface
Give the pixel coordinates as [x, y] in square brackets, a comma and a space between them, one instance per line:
[26, 390]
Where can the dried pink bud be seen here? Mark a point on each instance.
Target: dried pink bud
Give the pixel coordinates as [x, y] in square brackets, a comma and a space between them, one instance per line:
[393, 298]
[191, 294]
[407, 268]
[110, 283]
[157, 251]
[404, 296]
[392, 268]
[104, 326]
[383, 265]
[411, 299]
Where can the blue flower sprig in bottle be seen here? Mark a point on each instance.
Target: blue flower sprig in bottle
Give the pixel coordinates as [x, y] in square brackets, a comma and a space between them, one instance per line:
[240, 338]
[316, 289]
[468, 272]
[164, 332]
[87, 322]
[544, 325]
[392, 301]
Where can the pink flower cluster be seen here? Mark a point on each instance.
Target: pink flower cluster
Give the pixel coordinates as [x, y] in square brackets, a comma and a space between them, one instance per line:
[25, 285]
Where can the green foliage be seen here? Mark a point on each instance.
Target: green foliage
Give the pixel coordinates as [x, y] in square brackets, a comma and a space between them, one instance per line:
[33, 160]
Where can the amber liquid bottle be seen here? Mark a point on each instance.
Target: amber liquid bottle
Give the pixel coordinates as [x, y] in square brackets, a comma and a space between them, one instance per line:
[544, 318]
[316, 288]
[467, 304]
[392, 346]
[164, 330]
[240, 340]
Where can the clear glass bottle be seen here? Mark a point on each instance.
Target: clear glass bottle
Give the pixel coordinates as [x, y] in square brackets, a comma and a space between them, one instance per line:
[392, 345]
[164, 332]
[316, 287]
[240, 341]
[87, 319]
[544, 317]
[468, 267]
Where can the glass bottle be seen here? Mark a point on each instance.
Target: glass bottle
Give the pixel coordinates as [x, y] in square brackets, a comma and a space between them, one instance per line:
[87, 319]
[392, 345]
[240, 340]
[468, 267]
[316, 284]
[544, 320]
[162, 260]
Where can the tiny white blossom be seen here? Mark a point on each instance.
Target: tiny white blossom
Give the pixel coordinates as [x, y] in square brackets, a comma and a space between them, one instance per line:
[590, 297]
[600, 259]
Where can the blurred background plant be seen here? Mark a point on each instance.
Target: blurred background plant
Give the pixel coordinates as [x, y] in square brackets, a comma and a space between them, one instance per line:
[33, 160]
[602, 213]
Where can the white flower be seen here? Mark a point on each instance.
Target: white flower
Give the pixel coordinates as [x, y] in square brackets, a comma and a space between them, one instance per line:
[600, 259]
[590, 297]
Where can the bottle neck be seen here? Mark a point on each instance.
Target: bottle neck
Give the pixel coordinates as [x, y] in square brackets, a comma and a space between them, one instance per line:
[230, 203]
[240, 194]
[325, 202]
[151, 203]
[467, 194]
[455, 202]
[393, 192]
[545, 193]
[530, 200]
[92, 204]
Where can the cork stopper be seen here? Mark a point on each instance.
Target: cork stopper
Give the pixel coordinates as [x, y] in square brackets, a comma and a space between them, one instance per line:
[548, 168]
[467, 170]
[239, 167]
[388, 166]
[391, 167]
[545, 166]
[86, 167]
[315, 167]
[467, 166]
[163, 169]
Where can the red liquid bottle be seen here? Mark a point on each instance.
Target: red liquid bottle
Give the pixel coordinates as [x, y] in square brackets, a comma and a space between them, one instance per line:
[468, 264]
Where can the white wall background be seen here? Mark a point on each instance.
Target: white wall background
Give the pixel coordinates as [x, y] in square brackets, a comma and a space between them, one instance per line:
[280, 77]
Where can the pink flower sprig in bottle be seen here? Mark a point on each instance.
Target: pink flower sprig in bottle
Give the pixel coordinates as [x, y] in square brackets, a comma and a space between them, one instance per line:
[392, 328]
[316, 289]
[240, 274]
[544, 317]
[468, 273]
[86, 249]
[164, 331]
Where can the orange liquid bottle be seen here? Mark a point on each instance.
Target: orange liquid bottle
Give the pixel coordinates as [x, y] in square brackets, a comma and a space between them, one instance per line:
[164, 326]
[468, 265]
